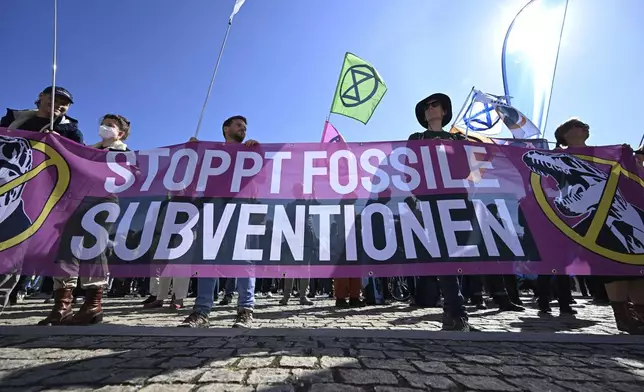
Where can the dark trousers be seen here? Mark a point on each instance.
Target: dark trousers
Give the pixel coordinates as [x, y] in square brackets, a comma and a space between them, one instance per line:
[562, 289]
[495, 286]
[512, 287]
[584, 285]
[47, 285]
[322, 285]
[453, 303]
[263, 285]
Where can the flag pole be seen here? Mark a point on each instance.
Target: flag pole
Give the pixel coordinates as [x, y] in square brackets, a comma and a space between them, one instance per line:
[554, 72]
[337, 87]
[53, 68]
[463, 108]
[214, 75]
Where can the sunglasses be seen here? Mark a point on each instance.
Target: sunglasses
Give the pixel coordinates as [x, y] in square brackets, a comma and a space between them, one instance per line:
[581, 125]
[432, 104]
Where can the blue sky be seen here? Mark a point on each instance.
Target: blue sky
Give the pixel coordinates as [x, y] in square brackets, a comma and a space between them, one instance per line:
[151, 60]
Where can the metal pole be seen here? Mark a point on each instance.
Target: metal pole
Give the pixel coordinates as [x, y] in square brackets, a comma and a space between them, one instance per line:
[53, 69]
[214, 74]
[554, 72]
[337, 89]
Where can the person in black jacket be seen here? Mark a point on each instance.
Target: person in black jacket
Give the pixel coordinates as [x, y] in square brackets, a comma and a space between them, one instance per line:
[433, 113]
[39, 119]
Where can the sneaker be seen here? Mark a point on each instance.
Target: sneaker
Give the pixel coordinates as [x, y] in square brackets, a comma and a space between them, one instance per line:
[149, 299]
[269, 295]
[154, 304]
[196, 320]
[226, 301]
[244, 318]
[176, 304]
[18, 298]
[305, 301]
[284, 301]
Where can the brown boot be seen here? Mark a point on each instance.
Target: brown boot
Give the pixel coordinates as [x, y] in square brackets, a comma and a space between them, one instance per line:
[62, 310]
[625, 320]
[91, 312]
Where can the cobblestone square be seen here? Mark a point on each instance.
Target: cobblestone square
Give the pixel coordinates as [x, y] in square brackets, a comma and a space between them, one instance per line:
[390, 348]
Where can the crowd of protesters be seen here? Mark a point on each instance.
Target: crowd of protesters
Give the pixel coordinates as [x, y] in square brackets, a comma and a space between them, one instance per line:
[624, 294]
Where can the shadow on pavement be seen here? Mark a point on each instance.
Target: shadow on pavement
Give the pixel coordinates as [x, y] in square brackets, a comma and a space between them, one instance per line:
[263, 364]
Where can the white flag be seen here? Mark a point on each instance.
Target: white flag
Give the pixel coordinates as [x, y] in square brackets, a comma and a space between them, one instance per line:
[238, 4]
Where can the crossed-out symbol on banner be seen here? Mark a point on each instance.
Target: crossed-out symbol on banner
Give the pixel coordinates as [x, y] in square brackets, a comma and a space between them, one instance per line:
[350, 96]
[63, 179]
[590, 238]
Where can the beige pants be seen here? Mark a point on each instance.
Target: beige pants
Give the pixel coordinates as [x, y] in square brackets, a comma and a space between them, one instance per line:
[86, 282]
[93, 272]
[161, 286]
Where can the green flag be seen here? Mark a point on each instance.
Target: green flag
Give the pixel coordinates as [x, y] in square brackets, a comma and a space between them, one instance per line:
[359, 90]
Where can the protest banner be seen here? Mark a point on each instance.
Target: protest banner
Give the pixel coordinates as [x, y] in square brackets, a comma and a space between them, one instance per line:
[395, 209]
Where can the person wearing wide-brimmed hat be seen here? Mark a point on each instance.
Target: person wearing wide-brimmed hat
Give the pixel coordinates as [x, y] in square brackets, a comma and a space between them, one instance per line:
[433, 113]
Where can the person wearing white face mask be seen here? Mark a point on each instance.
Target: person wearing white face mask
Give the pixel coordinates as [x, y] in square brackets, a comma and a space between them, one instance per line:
[114, 129]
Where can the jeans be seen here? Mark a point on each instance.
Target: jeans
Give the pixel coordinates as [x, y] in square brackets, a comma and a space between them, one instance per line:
[206, 294]
[453, 303]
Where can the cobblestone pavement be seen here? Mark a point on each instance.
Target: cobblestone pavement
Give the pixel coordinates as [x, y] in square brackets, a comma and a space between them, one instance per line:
[591, 319]
[390, 348]
[311, 364]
